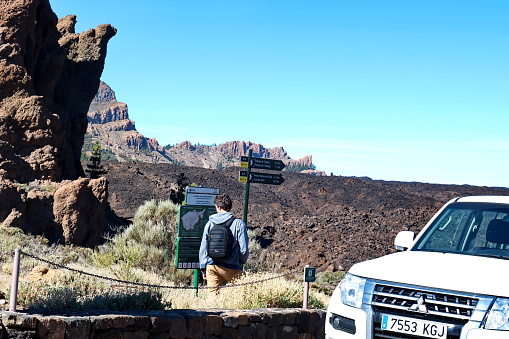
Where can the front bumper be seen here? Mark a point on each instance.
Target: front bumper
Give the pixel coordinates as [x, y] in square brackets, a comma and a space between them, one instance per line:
[363, 322]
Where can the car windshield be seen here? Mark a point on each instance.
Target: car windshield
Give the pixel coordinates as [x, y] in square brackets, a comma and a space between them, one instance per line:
[469, 228]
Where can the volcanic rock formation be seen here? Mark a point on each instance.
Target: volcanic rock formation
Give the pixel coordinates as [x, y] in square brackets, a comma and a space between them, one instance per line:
[109, 124]
[48, 77]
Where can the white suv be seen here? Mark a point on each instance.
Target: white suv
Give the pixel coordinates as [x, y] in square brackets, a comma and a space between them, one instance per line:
[449, 282]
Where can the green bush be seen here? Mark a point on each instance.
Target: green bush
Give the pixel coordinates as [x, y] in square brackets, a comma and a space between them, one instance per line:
[326, 282]
[148, 243]
[330, 278]
[260, 259]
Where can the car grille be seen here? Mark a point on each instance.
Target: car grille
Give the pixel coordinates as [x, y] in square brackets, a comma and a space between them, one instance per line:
[454, 310]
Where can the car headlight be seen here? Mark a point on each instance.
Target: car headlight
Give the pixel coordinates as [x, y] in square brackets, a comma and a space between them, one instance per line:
[352, 290]
[498, 318]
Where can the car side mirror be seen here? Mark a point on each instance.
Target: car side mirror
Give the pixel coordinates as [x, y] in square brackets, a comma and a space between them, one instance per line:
[404, 240]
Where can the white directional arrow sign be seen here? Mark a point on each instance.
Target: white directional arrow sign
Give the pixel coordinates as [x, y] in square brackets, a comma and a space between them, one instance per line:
[262, 163]
[262, 178]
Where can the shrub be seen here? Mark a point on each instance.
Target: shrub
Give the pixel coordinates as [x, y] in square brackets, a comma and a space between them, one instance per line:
[260, 259]
[155, 224]
[148, 243]
[49, 298]
[326, 282]
[330, 278]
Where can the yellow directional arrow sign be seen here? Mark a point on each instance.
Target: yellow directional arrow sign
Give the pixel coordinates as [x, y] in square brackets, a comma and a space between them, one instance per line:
[242, 178]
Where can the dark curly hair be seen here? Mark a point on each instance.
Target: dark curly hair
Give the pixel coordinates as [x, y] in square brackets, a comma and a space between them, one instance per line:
[224, 202]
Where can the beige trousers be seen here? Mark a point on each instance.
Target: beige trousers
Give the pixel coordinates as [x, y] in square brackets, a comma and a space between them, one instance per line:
[217, 276]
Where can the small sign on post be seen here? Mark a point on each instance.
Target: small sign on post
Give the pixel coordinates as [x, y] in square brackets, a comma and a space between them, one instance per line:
[309, 274]
[202, 196]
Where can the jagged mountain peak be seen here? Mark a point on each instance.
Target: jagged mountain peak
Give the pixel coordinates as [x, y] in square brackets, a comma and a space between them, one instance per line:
[109, 124]
[104, 94]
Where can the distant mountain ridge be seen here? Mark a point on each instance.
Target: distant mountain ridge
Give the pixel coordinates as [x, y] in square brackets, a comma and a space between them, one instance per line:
[109, 124]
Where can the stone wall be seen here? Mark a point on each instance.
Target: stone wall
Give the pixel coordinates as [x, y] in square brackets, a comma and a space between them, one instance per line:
[212, 323]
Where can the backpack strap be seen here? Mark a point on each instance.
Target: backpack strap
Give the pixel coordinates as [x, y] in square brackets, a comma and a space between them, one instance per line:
[228, 223]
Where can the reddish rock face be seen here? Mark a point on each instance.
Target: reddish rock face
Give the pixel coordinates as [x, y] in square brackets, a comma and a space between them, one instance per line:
[241, 148]
[79, 208]
[48, 77]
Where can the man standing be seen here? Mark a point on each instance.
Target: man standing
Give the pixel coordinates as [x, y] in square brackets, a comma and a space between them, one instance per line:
[216, 270]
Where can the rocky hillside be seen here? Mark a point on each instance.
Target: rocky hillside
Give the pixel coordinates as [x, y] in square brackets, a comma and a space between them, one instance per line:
[330, 222]
[109, 124]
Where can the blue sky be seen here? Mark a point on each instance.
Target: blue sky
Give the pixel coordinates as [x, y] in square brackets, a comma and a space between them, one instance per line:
[407, 90]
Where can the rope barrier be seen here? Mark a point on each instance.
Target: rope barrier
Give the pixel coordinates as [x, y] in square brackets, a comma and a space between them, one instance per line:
[153, 285]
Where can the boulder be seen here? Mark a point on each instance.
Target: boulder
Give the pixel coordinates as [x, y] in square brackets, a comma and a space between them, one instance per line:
[13, 205]
[79, 208]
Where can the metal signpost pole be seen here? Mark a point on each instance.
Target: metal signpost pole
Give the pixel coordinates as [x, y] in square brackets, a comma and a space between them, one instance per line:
[196, 278]
[246, 197]
[309, 276]
[306, 291]
[15, 280]
[256, 177]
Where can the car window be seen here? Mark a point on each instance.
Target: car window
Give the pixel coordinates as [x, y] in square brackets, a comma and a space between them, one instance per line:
[470, 228]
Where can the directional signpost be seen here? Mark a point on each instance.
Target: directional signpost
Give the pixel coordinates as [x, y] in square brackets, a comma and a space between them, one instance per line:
[262, 178]
[262, 163]
[256, 177]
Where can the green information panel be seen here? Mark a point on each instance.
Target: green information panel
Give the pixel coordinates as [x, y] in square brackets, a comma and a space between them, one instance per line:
[188, 250]
[192, 220]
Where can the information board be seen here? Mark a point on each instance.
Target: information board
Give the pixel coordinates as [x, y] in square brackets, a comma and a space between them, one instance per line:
[200, 199]
[202, 190]
[203, 196]
[188, 253]
[192, 220]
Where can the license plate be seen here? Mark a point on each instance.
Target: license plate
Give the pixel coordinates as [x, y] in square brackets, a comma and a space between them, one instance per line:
[418, 327]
